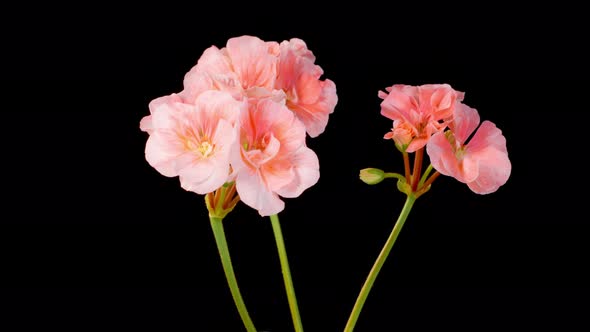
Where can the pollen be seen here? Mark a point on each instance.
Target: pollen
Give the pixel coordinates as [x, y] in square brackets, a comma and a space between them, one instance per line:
[205, 149]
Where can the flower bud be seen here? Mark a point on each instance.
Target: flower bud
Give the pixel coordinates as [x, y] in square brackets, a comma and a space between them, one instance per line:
[372, 175]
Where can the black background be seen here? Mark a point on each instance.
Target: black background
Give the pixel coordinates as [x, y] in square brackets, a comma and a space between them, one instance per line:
[92, 237]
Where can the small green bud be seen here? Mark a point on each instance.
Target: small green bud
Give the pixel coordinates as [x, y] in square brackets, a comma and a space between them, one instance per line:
[372, 175]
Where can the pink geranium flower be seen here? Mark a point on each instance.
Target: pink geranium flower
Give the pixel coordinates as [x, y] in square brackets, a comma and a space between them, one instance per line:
[311, 99]
[247, 66]
[420, 111]
[192, 141]
[271, 158]
[482, 163]
[402, 133]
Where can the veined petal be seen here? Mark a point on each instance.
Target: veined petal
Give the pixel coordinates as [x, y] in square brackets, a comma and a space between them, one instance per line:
[494, 171]
[253, 61]
[488, 135]
[315, 115]
[442, 157]
[465, 120]
[311, 99]
[400, 103]
[417, 143]
[204, 176]
[306, 167]
[255, 193]
[278, 173]
[161, 150]
[219, 105]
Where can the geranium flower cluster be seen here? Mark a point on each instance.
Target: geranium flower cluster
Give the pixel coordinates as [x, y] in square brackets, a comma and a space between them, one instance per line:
[241, 119]
[434, 116]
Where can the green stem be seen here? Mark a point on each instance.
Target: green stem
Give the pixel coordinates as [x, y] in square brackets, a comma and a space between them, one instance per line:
[276, 228]
[394, 175]
[425, 175]
[218, 232]
[360, 301]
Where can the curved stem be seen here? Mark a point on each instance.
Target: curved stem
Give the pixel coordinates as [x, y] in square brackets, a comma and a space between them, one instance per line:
[360, 301]
[431, 179]
[394, 175]
[276, 228]
[424, 176]
[218, 232]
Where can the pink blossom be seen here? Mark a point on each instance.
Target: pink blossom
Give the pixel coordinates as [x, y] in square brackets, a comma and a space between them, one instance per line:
[247, 66]
[482, 163]
[271, 158]
[192, 141]
[420, 110]
[402, 133]
[311, 99]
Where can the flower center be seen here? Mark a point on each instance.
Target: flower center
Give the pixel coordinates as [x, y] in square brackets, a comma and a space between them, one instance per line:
[205, 149]
[457, 148]
[460, 153]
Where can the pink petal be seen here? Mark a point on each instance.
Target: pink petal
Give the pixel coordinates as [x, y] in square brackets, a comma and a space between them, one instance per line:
[315, 115]
[204, 176]
[311, 99]
[291, 133]
[195, 83]
[214, 61]
[465, 120]
[167, 115]
[218, 105]
[146, 124]
[224, 137]
[213, 71]
[417, 144]
[494, 171]
[263, 93]
[256, 194]
[165, 100]
[442, 157]
[277, 173]
[438, 100]
[298, 48]
[469, 168]
[269, 116]
[252, 61]
[161, 150]
[488, 135]
[400, 103]
[307, 173]
[256, 158]
[308, 86]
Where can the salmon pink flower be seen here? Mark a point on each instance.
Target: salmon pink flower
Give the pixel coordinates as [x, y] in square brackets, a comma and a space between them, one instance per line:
[247, 66]
[419, 111]
[402, 133]
[482, 163]
[192, 141]
[311, 99]
[271, 157]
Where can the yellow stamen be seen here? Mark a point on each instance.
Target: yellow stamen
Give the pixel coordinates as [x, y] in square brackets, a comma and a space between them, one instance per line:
[205, 149]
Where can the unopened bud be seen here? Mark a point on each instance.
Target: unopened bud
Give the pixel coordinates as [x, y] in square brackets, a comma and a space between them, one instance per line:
[372, 175]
